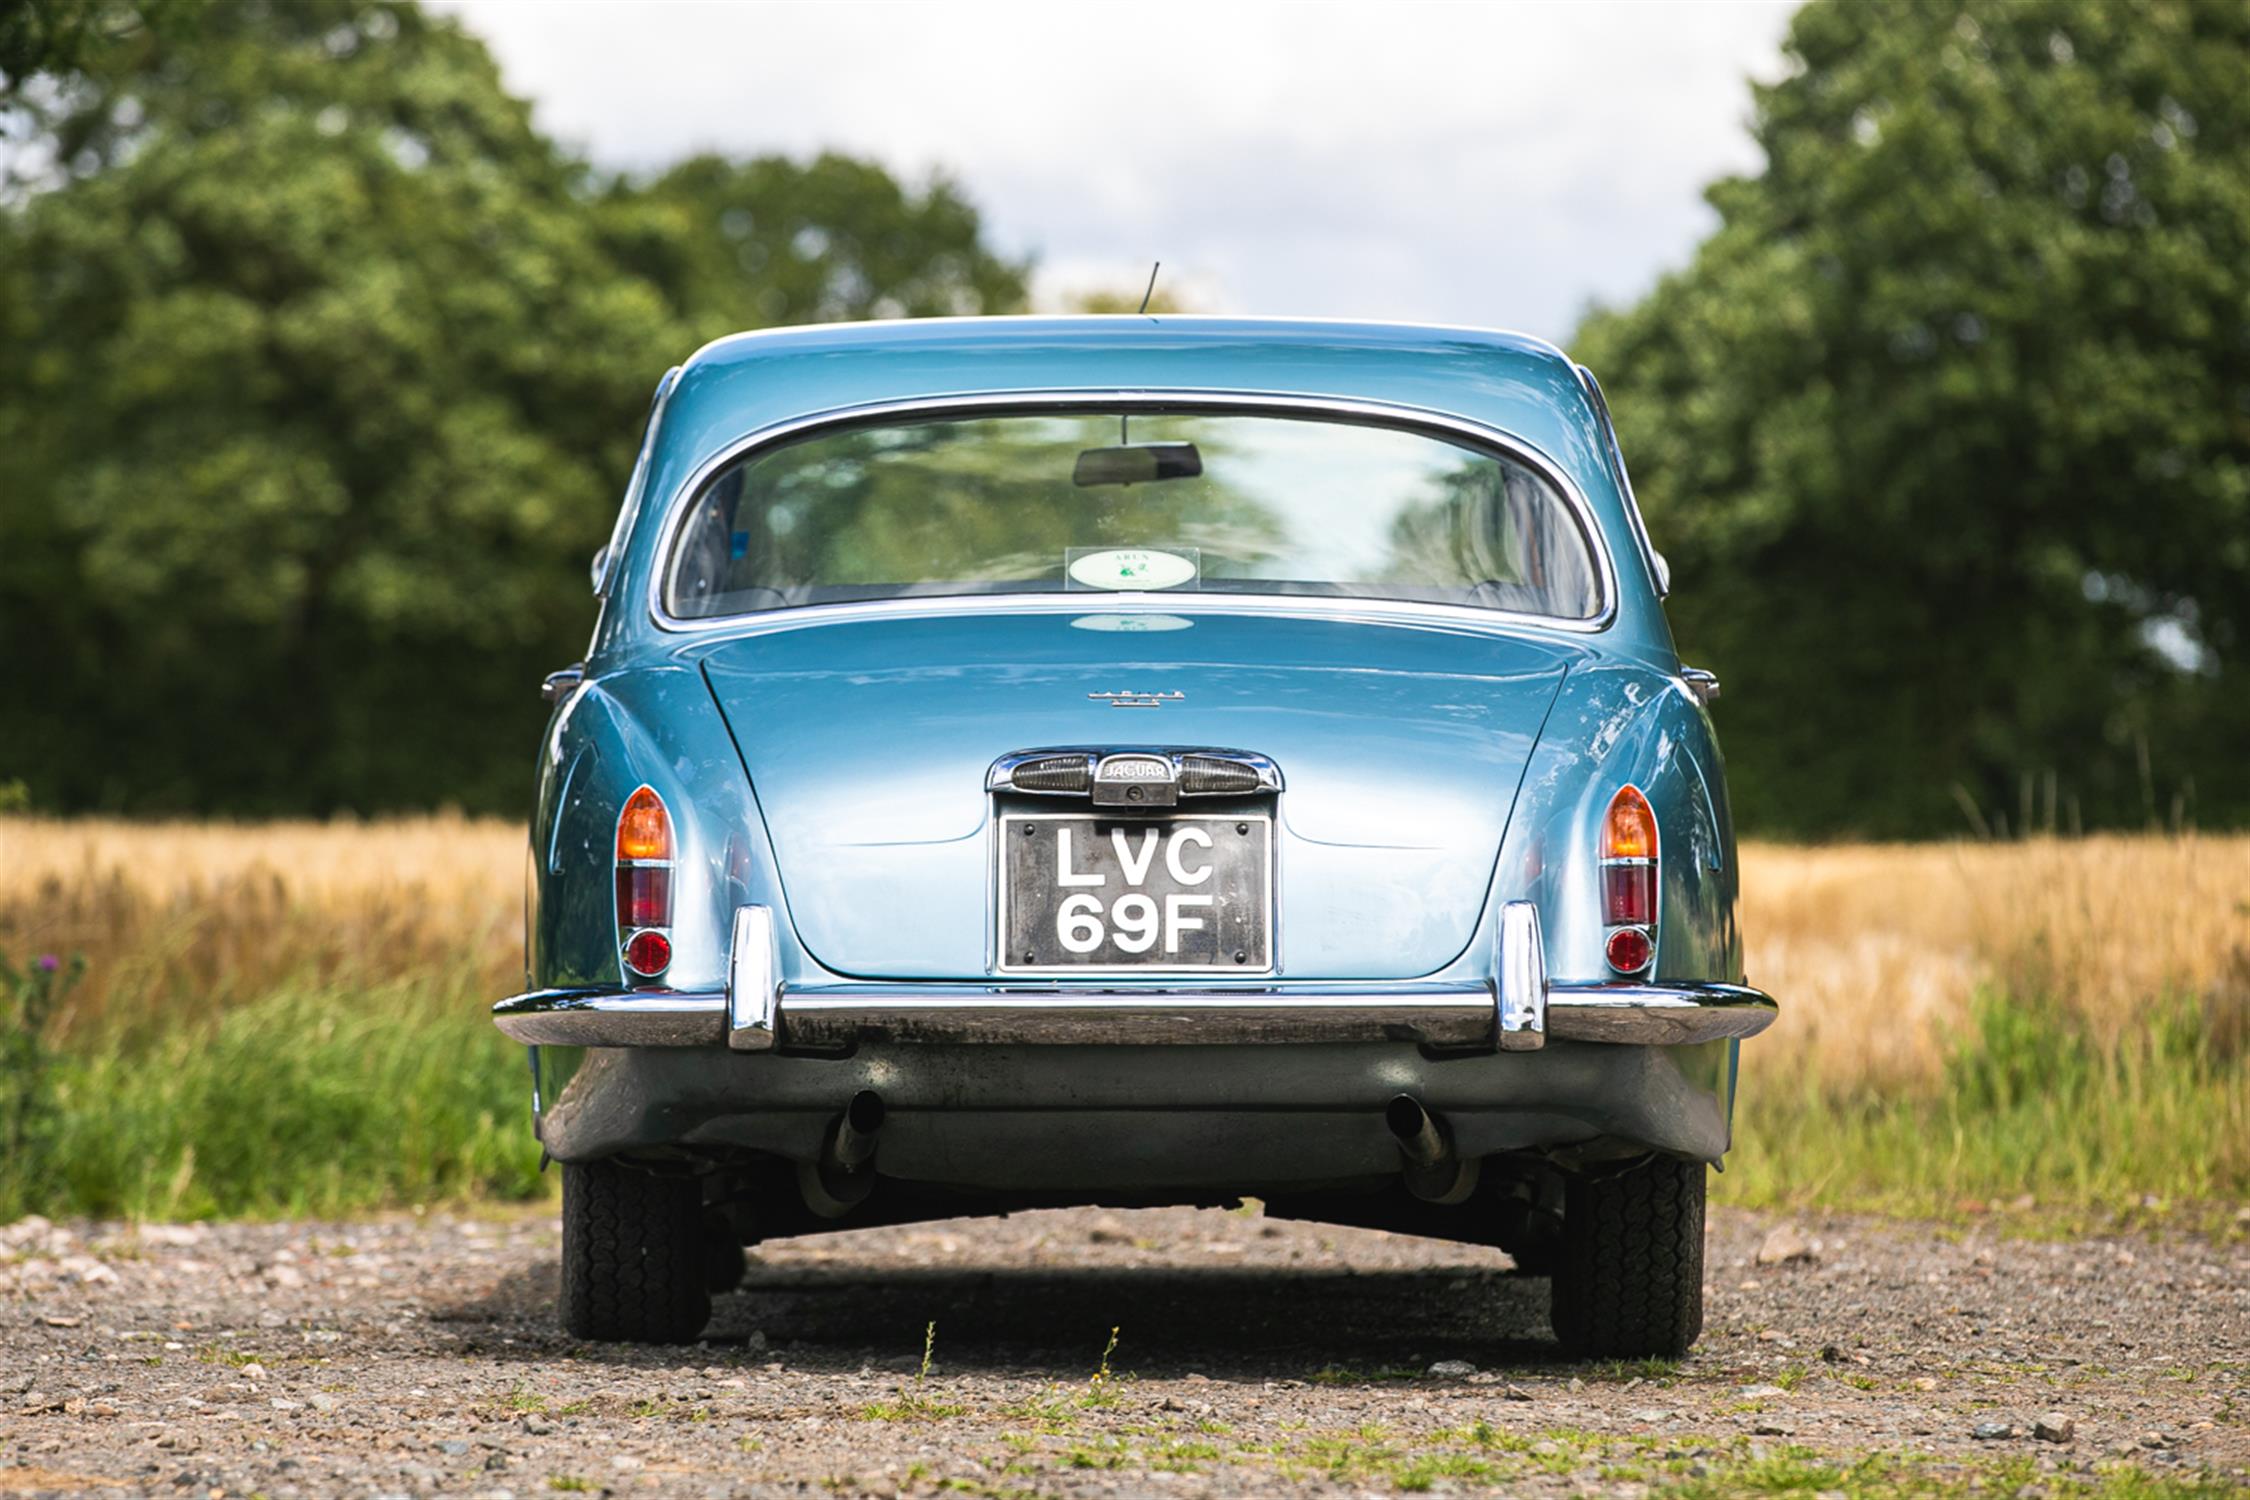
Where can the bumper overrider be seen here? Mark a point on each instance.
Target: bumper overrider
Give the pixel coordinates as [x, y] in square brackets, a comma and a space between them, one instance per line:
[1516, 1010]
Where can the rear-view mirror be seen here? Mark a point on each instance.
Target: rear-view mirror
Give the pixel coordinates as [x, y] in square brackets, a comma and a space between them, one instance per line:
[1136, 463]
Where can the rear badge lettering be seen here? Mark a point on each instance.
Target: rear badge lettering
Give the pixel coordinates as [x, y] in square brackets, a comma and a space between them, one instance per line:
[1137, 700]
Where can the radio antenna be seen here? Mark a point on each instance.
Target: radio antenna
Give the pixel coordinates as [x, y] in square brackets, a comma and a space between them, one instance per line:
[1125, 419]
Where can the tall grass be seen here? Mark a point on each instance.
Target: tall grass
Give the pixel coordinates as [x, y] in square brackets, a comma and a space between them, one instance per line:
[291, 1018]
[273, 1018]
[1979, 1024]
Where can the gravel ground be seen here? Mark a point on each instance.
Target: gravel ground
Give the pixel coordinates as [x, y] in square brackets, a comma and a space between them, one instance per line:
[419, 1356]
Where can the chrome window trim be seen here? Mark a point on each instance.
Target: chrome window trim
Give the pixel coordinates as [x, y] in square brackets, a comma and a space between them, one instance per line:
[1374, 413]
[1656, 571]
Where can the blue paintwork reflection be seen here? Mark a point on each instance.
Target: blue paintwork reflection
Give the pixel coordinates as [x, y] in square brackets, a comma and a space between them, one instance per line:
[835, 770]
[868, 743]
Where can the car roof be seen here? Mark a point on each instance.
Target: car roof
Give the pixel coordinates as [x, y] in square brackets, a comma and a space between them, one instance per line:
[1114, 328]
[1523, 388]
[746, 382]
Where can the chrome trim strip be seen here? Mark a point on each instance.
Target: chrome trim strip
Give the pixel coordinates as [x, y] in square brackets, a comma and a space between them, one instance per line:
[1002, 775]
[1437, 1016]
[1371, 611]
[1378, 413]
[1657, 1015]
[1520, 969]
[1673, 1015]
[610, 1018]
[753, 981]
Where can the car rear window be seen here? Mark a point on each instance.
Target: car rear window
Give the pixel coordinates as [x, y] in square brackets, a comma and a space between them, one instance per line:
[1047, 502]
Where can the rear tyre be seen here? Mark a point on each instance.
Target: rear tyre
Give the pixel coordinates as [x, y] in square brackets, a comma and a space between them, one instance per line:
[1628, 1279]
[635, 1257]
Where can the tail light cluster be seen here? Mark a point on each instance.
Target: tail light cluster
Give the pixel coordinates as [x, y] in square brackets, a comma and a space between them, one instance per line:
[1629, 882]
[644, 885]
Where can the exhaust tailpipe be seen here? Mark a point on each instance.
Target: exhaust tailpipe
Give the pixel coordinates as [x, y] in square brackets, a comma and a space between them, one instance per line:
[1432, 1171]
[852, 1143]
[1420, 1138]
[841, 1180]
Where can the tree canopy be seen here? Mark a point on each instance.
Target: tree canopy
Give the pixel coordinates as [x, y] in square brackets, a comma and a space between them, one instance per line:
[321, 371]
[1946, 429]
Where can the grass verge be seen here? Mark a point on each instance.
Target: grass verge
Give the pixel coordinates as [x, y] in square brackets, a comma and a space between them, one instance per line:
[299, 1102]
[2030, 1110]
[291, 1019]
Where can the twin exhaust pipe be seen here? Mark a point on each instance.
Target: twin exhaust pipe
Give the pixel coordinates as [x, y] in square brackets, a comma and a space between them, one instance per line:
[1433, 1171]
[843, 1177]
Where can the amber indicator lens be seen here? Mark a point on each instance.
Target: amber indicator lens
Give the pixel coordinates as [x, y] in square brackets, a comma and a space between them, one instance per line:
[1629, 950]
[648, 953]
[1629, 831]
[644, 829]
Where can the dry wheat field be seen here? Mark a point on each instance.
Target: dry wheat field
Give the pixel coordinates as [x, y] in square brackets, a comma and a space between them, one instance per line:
[1983, 1024]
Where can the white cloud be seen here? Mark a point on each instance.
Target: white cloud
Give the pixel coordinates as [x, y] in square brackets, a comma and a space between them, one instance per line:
[1496, 164]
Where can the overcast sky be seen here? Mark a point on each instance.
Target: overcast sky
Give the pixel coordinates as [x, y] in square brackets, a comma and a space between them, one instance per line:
[1497, 164]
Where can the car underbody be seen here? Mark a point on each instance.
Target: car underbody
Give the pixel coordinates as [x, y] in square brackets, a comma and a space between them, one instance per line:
[882, 1112]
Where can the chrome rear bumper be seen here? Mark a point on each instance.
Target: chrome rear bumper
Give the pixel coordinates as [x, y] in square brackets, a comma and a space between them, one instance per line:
[1435, 1015]
[1515, 1011]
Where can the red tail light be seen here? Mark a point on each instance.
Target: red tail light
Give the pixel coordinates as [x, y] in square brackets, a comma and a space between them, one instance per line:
[1628, 895]
[644, 896]
[644, 884]
[1629, 950]
[649, 953]
[1629, 866]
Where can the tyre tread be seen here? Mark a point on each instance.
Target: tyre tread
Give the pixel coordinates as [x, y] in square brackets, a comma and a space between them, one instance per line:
[634, 1258]
[1629, 1276]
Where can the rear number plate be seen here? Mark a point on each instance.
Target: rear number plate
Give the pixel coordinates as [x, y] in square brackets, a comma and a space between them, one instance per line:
[1080, 892]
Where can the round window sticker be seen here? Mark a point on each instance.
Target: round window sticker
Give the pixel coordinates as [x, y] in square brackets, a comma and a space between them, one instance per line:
[1131, 568]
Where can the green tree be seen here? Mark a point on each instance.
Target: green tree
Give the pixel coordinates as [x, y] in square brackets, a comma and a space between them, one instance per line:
[61, 37]
[319, 381]
[1946, 429]
[320, 373]
[740, 244]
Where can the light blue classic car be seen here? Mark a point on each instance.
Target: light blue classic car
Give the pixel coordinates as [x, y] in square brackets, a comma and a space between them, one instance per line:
[1133, 761]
